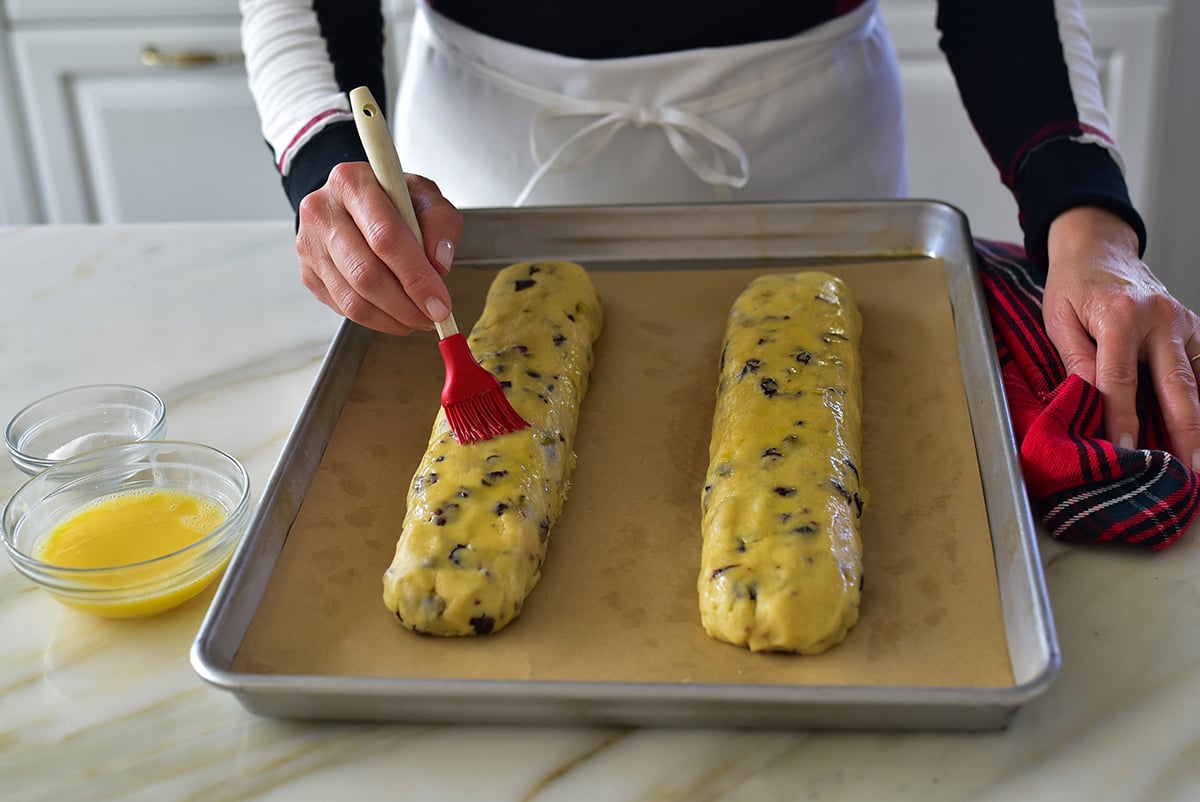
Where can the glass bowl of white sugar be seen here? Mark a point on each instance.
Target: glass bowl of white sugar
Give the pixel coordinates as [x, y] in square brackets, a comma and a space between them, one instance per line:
[75, 421]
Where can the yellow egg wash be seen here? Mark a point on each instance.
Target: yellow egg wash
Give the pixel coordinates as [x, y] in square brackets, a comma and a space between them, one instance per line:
[124, 529]
[781, 561]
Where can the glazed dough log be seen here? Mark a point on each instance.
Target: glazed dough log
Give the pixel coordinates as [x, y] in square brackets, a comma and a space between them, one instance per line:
[479, 516]
[781, 562]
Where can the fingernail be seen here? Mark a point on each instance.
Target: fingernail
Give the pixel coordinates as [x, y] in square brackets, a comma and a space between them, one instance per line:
[443, 254]
[1196, 460]
[436, 310]
[1124, 441]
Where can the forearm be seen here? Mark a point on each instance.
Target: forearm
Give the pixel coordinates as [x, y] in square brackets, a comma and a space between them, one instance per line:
[1028, 80]
[302, 58]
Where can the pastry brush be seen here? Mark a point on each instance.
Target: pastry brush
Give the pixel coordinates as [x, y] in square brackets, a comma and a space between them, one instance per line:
[473, 399]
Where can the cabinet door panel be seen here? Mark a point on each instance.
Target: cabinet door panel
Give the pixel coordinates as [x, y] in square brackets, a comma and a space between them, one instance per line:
[117, 141]
[180, 147]
[18, 199]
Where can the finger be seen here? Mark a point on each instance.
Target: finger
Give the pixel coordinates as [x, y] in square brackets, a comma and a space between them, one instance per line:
[1116, 379]
[314, 285]
[1176, 389]
[316, 222]
[340, 297]
[393, 243]
[1075, 346]
[333, 249]
[320, 275]
[361, 278]
[441, 223]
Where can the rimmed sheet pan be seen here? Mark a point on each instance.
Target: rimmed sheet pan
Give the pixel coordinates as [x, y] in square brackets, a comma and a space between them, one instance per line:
[955, 631]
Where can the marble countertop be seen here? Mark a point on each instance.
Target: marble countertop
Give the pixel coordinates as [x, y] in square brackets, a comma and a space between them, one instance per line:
[214, 318]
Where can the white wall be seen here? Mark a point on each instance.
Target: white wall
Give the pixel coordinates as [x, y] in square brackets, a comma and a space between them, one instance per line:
[1174, 210]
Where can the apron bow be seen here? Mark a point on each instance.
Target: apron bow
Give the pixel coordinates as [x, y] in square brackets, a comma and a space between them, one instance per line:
[702, 146]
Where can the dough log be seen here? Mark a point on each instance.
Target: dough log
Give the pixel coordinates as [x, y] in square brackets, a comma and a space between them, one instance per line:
[781, 560]
[479, 516]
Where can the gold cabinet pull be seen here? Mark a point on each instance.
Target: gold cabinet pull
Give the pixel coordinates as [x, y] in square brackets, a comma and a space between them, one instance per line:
[187, 59]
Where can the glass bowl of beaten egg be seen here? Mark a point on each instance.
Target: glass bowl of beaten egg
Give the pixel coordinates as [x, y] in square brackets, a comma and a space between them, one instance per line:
[70, 422]
[129, 530]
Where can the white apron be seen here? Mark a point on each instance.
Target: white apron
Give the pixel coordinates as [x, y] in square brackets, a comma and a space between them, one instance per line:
[813, 117]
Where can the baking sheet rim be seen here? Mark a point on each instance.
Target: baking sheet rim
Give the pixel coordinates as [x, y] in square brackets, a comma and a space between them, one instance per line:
[350, 336]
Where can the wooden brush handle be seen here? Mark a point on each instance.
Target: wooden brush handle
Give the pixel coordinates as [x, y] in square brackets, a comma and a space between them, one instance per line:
[385, 162]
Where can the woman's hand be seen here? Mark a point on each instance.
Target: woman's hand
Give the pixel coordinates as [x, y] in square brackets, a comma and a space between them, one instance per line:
[1106, 312]
[359, 258]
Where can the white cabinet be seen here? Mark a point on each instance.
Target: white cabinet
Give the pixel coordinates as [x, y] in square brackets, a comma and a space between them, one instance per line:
[18, 201]
[136, 112]
[117, 140]
[114, 136]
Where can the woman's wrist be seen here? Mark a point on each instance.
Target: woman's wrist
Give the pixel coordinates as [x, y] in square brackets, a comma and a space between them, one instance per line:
[1090, 228]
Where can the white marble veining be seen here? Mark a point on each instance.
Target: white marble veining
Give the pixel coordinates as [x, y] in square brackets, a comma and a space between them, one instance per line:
[214, 318]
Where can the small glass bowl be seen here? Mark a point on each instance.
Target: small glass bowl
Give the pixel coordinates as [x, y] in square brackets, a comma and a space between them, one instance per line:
[72, 422]
[141, 588]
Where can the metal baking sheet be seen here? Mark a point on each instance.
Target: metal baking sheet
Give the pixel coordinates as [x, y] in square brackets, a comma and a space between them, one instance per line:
[654, 239]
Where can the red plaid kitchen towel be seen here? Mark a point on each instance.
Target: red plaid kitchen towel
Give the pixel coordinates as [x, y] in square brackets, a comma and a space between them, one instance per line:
[1082, 486]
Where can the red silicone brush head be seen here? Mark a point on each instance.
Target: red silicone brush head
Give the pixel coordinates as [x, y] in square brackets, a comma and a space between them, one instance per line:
[475, 404]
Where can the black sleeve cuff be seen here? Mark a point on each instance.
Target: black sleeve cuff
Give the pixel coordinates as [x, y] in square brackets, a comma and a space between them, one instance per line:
[311, 165]
[1061, 175]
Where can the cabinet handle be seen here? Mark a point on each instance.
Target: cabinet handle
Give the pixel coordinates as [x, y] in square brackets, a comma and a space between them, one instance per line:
[187, 59]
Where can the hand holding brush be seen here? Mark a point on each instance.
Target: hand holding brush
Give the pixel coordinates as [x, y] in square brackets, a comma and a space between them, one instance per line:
[473, 399]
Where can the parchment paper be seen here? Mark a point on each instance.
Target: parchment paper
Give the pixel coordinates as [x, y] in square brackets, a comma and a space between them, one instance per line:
[617, 598]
